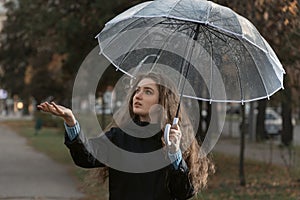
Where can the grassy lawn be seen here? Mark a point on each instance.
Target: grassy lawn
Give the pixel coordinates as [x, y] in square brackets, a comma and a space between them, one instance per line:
[263, 181]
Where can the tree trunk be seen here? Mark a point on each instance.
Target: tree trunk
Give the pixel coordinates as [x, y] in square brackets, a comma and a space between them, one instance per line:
[200, 133]
[208, 116]
[287, 126]
[251, 122]
[242, 148]
[260, 120]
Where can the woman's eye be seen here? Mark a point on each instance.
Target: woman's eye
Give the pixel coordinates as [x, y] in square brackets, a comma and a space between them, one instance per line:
[148, 92]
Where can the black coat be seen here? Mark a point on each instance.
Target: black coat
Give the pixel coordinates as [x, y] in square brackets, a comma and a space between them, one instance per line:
[163, 184]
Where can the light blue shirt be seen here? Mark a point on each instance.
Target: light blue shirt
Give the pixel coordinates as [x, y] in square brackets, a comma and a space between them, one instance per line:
[73, 131]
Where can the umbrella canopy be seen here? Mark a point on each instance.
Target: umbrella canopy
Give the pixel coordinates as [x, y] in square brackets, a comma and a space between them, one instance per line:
[220, 53]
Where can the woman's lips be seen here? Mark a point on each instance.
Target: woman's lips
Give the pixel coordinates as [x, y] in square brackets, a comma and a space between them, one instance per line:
[136, 104]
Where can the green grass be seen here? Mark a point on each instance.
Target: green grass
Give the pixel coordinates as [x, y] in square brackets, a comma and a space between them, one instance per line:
[263, 181]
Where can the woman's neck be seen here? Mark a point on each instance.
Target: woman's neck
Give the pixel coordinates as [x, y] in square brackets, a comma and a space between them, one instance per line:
[151, 120]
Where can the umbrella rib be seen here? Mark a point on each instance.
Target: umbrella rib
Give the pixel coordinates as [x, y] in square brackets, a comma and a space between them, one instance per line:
[262, 80]
[172, 23]
[242, 93]
[204, 29]
[194, 38]
[224, 31]
[167, 41]
[229, 33]
[207, 27]
[175, 4]
[164, 45]
[187, 25]
[228, 44]
[132, 46]
[136, 42]
[183, 63]
[211, 42]
[211, 29]
[124, 28]
[238, 72]
[211, 68]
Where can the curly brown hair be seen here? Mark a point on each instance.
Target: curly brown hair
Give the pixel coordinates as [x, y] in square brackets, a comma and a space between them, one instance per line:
[200, 165]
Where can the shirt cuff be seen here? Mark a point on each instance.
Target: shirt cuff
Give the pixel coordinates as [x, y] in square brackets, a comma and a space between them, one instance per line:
[72, 131]
[175, 158]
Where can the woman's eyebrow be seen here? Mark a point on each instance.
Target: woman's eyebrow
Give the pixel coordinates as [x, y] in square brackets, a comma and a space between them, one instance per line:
[144, 87]
[148, 88]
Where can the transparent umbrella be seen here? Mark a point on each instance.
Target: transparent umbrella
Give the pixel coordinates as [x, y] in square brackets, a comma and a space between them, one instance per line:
[218, 52]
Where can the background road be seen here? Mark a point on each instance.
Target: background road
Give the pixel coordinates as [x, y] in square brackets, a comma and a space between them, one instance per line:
[231, 128]
[26, 174]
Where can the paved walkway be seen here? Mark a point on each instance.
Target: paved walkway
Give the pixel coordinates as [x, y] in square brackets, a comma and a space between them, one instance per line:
[26, 174]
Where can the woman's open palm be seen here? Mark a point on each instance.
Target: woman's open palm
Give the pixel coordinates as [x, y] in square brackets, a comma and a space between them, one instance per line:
[58, 110]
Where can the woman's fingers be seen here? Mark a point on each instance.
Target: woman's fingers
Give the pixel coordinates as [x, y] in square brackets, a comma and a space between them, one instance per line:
[175, 137]
[58, 108]
[43, 107]
[175, 130]
[50, 108]
[40, 107]
[46, 107]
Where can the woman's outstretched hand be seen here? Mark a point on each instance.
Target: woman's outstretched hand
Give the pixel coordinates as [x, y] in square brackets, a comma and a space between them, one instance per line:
[60, 111]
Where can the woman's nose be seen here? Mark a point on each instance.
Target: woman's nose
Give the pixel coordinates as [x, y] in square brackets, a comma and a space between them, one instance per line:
[138, 94]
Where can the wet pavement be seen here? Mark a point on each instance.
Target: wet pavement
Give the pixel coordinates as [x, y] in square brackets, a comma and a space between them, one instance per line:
[26, 174]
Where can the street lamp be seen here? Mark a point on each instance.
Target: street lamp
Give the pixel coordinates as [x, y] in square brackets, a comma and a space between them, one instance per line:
[20, 105]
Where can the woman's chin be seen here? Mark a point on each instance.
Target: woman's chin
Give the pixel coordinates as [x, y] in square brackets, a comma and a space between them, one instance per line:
[139, 111]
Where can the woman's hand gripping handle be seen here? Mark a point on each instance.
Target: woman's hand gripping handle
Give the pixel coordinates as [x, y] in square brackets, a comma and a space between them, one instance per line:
[167, 131]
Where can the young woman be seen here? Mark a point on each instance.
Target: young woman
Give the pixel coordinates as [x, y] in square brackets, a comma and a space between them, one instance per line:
[152, 101]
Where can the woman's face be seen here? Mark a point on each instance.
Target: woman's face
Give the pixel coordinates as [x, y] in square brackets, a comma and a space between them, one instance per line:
[145, 97]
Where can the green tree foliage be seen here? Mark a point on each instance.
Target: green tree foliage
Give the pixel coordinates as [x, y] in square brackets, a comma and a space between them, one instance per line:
[44, 43]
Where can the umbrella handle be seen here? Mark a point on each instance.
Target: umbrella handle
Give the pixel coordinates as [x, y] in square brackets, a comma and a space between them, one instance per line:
[167, 131]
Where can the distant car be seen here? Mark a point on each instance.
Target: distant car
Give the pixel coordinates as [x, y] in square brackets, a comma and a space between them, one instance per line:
[273, 122]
